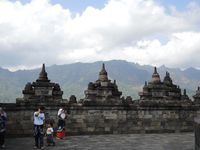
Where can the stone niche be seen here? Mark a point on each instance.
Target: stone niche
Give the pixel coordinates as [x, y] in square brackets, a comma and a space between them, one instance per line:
[197, 96]
[103, 91]
[157, 91]
[41, 91]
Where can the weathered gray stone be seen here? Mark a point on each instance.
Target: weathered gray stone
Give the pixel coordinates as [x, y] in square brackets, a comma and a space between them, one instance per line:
[103, 91]
[165, 115]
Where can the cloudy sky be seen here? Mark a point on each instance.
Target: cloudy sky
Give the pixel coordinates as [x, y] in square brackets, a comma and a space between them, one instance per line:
[153, 32]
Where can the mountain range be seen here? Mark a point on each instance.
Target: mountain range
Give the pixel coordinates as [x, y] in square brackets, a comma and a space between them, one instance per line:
[74, 78]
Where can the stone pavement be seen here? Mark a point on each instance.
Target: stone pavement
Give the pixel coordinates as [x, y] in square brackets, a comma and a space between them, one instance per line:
[174, 141]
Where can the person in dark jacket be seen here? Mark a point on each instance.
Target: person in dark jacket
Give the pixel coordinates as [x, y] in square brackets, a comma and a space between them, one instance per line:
[3, 118]
[62, 115]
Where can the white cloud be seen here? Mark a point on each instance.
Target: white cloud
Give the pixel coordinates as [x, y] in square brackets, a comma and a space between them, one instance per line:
[181, 50]
[134, 30]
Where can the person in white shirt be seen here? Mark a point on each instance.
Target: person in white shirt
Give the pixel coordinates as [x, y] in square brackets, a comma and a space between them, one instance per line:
[39, 118]
[61, 118]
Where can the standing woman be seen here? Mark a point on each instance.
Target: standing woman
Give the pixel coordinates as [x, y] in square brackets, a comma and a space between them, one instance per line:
[3, 118]
[61, 123]
[38, 128]
[61, 118]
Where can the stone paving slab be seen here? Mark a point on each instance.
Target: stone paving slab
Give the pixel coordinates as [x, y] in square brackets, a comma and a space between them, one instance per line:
[175, 141]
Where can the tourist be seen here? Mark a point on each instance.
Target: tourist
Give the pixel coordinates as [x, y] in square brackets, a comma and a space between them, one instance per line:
[49, 134]
[3, 118]
[60, 133]
[61, 118]
[39, 118]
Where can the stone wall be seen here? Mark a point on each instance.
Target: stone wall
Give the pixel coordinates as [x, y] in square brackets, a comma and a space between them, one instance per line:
[20, 118]
[106, 120]
[98, 120]
[197, 132]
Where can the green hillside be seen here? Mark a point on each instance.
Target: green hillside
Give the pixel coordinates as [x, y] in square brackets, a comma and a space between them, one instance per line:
[74, 78]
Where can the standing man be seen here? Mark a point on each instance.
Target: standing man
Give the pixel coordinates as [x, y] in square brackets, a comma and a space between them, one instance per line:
[3, 118]
[38, 127]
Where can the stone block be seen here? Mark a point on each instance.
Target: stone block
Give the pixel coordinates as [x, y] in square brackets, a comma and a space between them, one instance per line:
[79, 120]
[141, 115]
[92, 112]
[156, 123]
[146, 123]
[148, 116]
[79, 116]
[78, 125]
[27, 118]
[111, 116]
[27, 126]
[107, 129]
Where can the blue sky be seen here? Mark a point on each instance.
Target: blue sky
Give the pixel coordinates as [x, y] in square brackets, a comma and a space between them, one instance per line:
[80, 5]
[179, 4]
[75, 5]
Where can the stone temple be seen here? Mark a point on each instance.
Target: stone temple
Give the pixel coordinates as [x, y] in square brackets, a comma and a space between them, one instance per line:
[162, 108]
[162, 90]
[42, 90]
[197, 96]
[103, 91]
